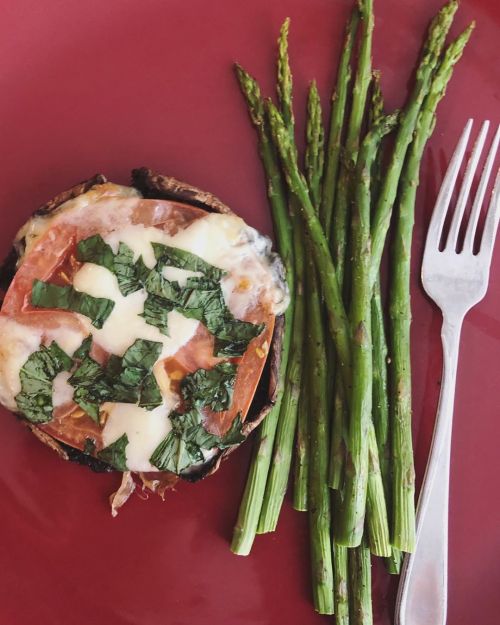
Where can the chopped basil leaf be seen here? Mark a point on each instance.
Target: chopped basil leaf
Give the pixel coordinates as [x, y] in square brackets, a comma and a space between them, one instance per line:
[114, 454]
[130, 275]
[211, 387]
[157, 284]
[142, 354]
[114, 366]
[174, 257]
[45, 295]
[150, 393]
[37, 375]
[84, 349]
[174, 454]
[183, 445]
[87, 372]
[95, 250]
[85, 399]
[156, 312]
[128, 379]
[232, 337]
[91, 387]
[201, 299]
[234, 435]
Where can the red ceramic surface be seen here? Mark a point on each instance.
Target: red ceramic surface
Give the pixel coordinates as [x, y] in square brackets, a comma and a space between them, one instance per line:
[106, 86]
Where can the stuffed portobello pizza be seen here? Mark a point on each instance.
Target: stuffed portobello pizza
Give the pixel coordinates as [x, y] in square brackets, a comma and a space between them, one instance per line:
[136, 324]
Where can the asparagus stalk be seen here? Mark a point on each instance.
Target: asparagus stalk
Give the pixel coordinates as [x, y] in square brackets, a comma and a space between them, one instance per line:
[341, 584]
[337, 445]
[433, 47]
[278, 476]
[360, 586]
[376, 112]
[380, 408]
[339, 234]
[376, 509]
[348, 163]
[337, 318]
[283, 446]
[251, 503]
[400, 305]
[319, 496]
[315, 150]
[314, 162]
[301, 468]
[284, 85]
[337, 115]
[282, 130]
[338, 323]
[380, 412]
[276, 189]
[352, 510]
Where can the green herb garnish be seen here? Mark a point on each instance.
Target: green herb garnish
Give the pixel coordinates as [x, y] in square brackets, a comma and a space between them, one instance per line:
[150, 396]
[114, 454]
[46, 295]
[201, 299]
[130, 275]
[174, 257]
[128, 379]
[183, 445]
[95, 250]
[37, 375]
[84, 349]
[156, 311]
[211, 387]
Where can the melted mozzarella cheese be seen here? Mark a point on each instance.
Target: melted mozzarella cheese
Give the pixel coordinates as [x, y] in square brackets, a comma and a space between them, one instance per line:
[63, 391]
[17, 344]
[67, 339]
[139, 239]
[145, 431]
[179, 275]
[226, 242]
[125, 325]
[35, 227]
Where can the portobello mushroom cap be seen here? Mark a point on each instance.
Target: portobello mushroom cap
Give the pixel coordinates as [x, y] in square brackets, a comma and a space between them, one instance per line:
[155, 186]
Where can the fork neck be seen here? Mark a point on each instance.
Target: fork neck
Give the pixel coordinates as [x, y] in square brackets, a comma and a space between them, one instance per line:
[450, 336]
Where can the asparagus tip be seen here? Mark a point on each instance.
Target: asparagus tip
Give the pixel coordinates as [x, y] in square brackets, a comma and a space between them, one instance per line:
[284, 29]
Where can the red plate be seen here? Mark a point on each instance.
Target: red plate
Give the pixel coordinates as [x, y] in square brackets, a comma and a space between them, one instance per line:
[106, 86]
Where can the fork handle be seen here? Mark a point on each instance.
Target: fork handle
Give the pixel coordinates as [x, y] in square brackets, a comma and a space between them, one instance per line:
[422, 593]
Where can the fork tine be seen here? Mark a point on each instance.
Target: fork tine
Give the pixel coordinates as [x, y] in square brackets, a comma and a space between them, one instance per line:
[491, 223]
[445, 193]
[458, 214]
[470, 235]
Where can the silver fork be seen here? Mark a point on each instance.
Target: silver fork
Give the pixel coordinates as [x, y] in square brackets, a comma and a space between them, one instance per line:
[456, 281]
